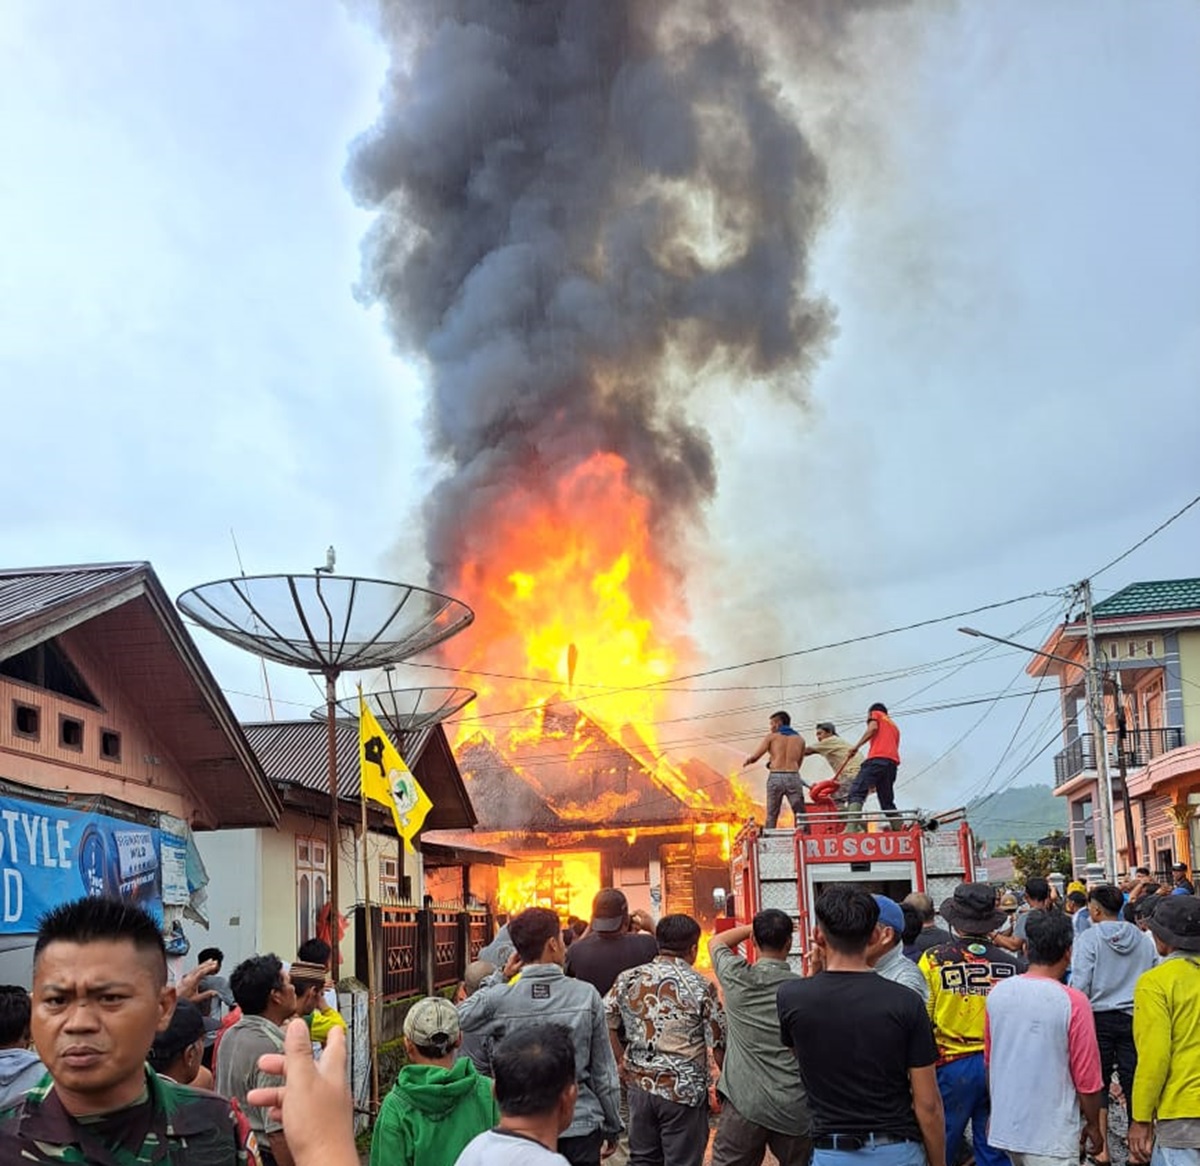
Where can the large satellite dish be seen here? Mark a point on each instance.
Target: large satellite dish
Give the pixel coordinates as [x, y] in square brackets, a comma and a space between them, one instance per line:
[325, 623]
[329, 624]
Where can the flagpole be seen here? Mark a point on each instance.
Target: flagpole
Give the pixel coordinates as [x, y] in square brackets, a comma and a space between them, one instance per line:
[370, 928]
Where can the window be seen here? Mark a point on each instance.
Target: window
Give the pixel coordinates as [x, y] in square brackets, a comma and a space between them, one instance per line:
[1133, 647]
[1154, 707]
[47, 666]
[389, 880]
[1149, 647]
[110, 745]
[70, 733]
[27, 721]
[312, 879]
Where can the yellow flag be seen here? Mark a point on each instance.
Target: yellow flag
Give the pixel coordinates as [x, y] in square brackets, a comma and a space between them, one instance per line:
[387, 780]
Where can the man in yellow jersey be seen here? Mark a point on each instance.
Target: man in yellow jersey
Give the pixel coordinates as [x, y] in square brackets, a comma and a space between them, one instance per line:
[1165, 1109]
[960, 974]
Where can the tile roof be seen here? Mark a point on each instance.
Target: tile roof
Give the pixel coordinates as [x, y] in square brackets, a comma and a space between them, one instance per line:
[1151, 598]
[28, 591]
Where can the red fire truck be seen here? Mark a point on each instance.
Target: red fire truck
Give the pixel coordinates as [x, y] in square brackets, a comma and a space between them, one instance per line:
[788, 869]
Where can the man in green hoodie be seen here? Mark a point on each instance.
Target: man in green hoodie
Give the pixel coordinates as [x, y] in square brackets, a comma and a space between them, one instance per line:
[439, 1102]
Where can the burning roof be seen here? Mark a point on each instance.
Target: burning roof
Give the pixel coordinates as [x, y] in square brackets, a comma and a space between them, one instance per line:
[570, 773]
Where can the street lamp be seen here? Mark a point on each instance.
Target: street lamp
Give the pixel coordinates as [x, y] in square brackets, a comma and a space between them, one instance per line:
[1096, 718]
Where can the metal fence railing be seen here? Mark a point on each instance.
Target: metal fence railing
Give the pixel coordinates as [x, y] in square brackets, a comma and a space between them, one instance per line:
[1140, 747]
[418, 950]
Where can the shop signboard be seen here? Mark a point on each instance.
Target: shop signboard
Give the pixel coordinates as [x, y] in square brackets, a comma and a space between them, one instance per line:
[50, 855]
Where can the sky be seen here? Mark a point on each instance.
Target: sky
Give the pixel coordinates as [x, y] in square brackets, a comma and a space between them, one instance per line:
[1008, 403]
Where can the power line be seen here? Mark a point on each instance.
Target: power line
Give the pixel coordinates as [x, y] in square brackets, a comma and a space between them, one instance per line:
[660, 685]
[1054, 739]
[1143, 541]
[866, 638]
[1013, 738]
[988, 712]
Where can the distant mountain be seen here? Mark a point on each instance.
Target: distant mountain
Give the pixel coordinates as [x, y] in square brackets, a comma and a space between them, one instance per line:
[1024, 814]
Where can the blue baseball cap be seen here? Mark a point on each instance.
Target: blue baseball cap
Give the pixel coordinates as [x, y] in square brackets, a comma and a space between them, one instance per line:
[890, 914]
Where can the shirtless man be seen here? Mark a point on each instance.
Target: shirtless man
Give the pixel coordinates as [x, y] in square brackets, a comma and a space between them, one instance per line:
[785, 748]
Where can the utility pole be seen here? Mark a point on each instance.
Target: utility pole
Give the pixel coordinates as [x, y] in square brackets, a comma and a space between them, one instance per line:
[1094, 694]
[1122, 732]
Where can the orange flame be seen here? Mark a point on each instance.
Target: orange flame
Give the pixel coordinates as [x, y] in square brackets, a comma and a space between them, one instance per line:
[579, 620]
[569, 593]
[565, 883]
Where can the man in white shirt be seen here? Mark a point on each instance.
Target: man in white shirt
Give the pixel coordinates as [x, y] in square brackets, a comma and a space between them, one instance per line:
[1038, 1030]
[534, 1069]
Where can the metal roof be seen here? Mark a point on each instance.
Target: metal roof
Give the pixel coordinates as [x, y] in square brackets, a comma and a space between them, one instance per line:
[296, 753]
[1151, 598]
[30, 591]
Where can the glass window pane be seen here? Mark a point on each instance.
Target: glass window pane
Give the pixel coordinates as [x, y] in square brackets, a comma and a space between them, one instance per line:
[305, 909]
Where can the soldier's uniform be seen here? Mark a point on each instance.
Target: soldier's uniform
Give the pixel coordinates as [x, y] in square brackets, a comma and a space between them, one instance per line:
[171, 1125]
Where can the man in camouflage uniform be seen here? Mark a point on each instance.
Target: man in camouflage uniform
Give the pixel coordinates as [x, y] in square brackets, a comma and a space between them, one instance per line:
[100, 994]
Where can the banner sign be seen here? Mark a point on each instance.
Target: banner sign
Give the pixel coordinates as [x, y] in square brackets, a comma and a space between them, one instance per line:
[861, 847]
[51, 855]
[172, 851]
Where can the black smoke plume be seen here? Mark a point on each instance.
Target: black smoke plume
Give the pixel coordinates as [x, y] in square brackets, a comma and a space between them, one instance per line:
[584, 206]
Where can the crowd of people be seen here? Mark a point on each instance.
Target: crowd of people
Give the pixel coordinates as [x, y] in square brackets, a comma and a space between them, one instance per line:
[908, 1026]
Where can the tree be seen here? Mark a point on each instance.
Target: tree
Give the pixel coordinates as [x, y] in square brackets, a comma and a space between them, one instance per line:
[1034, 861]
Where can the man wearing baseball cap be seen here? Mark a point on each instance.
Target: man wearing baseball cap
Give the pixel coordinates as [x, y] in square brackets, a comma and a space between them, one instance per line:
[843, 764]
[1179, 876]
[886, 955]
[439, 1102]
[1165, 1106]
[615, 942]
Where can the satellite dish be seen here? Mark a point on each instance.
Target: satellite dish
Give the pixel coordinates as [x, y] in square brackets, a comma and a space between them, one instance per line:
[404, 710]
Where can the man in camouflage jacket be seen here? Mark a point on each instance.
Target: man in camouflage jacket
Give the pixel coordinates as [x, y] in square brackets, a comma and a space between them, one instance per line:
[100, 993]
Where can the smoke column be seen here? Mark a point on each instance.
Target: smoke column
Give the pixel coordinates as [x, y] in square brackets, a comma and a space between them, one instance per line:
[585, 206]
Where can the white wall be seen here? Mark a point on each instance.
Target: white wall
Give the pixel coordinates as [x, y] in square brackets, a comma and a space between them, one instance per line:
[252, 888]
[234, 863]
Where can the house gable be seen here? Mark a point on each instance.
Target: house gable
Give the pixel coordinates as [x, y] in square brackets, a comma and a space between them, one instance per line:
[123, 706]
[294, 755]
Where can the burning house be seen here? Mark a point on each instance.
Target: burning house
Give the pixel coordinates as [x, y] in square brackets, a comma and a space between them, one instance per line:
[577, 807]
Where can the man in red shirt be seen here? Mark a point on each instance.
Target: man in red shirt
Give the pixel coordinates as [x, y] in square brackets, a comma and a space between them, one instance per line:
[878, 772]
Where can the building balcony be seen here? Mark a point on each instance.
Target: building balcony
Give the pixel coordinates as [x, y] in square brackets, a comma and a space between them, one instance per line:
[1140, 747]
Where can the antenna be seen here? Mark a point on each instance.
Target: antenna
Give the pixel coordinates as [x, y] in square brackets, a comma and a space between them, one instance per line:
[262, 663]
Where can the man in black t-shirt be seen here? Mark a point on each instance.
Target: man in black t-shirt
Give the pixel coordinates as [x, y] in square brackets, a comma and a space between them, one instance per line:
[864, 1047]
[615, 942]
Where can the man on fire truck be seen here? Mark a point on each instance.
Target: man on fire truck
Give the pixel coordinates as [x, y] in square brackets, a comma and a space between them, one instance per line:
[878, 772]
[785, 750]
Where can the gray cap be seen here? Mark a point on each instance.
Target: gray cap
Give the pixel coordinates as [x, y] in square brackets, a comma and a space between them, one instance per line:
[432, 1023]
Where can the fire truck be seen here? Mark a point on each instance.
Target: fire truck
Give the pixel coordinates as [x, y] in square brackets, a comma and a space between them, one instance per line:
[788, 869]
